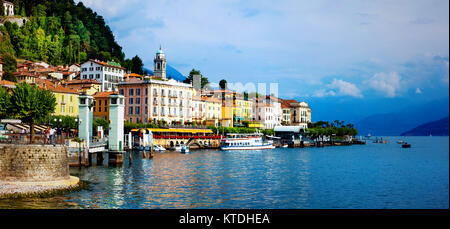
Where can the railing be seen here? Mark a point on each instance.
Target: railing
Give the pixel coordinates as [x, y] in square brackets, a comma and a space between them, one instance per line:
[39, 139]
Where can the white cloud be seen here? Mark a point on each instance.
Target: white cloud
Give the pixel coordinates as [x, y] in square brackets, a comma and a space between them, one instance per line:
[346, 88]
[388, 84]
[339, 88]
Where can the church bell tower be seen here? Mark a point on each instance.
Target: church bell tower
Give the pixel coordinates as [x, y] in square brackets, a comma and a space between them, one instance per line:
[160, 64]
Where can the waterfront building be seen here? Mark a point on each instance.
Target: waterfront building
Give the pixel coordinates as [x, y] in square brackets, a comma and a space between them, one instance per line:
[154, 99]
[198, 109]
[268, 111]
[101, 104]
[109, 74]
[235, 107]
[299, 112]
[9, 8]
[213, 109]
[286, 112]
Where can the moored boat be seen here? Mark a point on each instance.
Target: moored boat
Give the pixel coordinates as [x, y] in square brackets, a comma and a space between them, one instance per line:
[406, 145]
[245, 142]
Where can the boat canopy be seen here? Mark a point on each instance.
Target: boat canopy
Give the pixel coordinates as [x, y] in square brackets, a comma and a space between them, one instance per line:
[290, 129]
[162, 130]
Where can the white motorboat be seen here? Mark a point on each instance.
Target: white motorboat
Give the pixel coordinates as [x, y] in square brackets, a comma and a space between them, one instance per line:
[245, 142]
[158, 148]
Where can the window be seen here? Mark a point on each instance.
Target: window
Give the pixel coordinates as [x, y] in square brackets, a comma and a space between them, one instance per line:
[131, 92]
[131, 101]
[146, 91]
[146, 100]
[138, 91]
[121, 91]
[106, 109]
[137, 110]
[71, 109]
[99, 109]
[100, 102]
[130, 111]
[146, 109]
[138, 100]
[98, 76]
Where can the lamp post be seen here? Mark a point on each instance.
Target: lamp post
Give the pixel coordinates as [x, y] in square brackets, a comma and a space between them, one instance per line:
[79, 143]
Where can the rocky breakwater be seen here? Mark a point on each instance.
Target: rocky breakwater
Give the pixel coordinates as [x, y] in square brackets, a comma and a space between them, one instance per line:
[34, 170]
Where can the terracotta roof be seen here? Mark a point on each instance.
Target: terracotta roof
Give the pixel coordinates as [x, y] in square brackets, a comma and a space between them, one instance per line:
[132, 75]
[7, 83]
[105, 64]
[104, 94]
[84, 81]
[47, 84]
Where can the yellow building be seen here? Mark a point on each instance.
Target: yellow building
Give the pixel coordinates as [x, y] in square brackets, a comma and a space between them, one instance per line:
[213, 111]
[242, 110]
[66, 100]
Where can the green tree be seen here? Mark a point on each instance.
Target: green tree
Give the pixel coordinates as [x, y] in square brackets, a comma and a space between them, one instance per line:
[137, 65]
[9, 76]
[190, 78]
[100, 122]
[9, 63]
[30, 104]
[4, 102]
[223, 84]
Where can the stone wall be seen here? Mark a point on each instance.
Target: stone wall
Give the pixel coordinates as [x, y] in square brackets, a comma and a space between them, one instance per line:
[29, 163]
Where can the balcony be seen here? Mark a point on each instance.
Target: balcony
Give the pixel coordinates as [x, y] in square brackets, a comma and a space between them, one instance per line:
[163, 95]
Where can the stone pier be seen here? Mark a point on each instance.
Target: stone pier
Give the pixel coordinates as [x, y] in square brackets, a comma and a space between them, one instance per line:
[34, 169]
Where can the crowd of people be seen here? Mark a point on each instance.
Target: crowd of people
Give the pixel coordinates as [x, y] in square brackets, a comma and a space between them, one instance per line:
[52, 135]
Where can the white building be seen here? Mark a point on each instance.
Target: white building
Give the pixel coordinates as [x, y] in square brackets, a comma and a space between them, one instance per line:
[199, 109]
[268, 111]
[296, 113]
[109, 74]
[9, 8]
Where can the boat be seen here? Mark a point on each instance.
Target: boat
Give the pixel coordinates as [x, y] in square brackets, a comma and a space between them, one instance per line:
[184, 149]
[158, 148]
[400, 141]
[406, 145]
[245, 142]
[284, 146]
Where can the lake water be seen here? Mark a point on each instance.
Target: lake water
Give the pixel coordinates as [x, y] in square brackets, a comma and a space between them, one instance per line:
[360, 176]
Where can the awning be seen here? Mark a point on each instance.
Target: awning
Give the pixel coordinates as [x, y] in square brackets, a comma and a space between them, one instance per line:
[161, 130]
[292, 129]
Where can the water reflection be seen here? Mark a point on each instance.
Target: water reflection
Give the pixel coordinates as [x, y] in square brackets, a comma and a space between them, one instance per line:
[339, 177]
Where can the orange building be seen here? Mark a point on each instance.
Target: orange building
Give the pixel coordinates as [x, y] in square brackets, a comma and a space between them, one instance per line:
[100, 108]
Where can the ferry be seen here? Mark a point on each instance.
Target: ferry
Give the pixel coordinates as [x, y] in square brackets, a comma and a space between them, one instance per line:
[245, 142]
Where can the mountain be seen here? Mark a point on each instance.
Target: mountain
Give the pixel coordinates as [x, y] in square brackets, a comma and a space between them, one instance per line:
[435, 128]
[395, 123]
[171, 72]
[58, 32]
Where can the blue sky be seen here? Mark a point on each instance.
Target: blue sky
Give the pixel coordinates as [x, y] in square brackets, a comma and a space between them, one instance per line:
[333, 51]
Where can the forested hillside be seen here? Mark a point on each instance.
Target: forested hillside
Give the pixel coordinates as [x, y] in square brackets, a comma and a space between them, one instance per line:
[59, 32]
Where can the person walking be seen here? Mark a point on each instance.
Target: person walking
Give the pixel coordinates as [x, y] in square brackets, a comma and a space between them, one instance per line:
[52, 136]
[47, 135]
